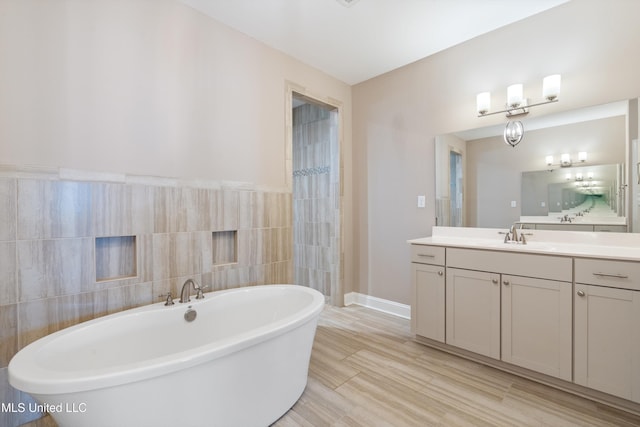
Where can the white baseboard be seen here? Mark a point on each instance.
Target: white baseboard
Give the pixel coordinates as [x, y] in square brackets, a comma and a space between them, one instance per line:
[386, 306]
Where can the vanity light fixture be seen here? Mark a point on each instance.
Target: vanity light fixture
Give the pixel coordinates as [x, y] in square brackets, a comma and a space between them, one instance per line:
[580, 177]
[565, 159]
[517, 104]
[582, 156]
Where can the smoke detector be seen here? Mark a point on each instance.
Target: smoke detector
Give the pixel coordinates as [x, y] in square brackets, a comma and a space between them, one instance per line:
[347, 3]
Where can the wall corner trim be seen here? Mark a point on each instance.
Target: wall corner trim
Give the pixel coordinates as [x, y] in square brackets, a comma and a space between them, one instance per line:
[379, 304]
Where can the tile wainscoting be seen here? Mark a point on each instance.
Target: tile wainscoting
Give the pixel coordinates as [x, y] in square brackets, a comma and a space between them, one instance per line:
[66, 249]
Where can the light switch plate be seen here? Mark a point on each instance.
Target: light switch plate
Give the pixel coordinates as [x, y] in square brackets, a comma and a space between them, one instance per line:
[513, 204]
[422, 201]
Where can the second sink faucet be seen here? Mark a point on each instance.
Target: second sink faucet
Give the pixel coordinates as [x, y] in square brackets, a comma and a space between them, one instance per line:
[185, 293]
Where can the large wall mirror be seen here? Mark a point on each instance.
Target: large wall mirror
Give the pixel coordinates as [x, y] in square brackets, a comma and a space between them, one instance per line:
[483, 182]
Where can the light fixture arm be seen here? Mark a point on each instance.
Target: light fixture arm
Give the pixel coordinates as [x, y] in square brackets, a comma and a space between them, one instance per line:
[517, 111]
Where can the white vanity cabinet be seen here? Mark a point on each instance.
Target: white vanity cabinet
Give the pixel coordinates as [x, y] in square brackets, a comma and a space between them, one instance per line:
[536, 325]
[607, 326]
[514, 307]
[473, 311]
[563, 309]
[520, 320]
[427, 269]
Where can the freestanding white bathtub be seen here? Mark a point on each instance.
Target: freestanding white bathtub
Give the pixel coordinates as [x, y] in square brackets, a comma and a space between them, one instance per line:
[243, 362]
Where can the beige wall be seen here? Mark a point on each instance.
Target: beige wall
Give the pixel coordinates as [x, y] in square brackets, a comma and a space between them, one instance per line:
[152, 88]
[592, 43]
[148, 87]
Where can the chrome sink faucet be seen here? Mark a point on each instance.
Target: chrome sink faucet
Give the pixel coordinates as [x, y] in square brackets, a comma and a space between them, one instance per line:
[565, 218]
[512, 236]
[185, 293]
[514, 233]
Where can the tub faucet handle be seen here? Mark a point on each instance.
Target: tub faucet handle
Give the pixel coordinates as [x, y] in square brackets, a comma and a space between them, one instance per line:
[200, 293]
[169, 298]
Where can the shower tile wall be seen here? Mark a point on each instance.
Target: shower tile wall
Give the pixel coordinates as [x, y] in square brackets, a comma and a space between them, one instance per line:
[50, 228]
[316, 198]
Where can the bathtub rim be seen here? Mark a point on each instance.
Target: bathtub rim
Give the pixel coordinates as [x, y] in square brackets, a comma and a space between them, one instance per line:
[25, 374]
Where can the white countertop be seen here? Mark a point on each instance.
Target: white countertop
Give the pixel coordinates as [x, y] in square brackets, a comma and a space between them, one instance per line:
[620, 246]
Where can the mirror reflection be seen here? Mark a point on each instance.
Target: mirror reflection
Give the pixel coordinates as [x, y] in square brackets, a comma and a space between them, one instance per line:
[482, 182]
[585, 197]
[548, 193]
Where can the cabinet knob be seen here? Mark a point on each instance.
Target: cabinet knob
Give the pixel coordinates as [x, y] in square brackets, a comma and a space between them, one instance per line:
[440, 273]
[581, 293]
[494, 281]
[506, 283]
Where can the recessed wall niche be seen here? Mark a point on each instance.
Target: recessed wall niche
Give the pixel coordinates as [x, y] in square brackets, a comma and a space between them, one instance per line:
[224, 247]
[115, 258]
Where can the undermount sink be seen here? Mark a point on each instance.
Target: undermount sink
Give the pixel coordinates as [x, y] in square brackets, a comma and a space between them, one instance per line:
[542, 246]
[499, 243]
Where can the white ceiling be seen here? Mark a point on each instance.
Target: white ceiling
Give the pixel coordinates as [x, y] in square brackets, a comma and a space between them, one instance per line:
[369, 37]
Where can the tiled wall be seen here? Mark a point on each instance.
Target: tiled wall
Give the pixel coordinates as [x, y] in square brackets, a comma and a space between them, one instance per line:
[316, 203]
[57, 268]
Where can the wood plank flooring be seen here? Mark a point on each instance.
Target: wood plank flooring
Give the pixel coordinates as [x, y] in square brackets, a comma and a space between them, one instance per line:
[367, 371]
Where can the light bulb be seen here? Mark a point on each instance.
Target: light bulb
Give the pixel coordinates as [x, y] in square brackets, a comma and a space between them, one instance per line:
[514, 95]
[483, 103]
[551, 87]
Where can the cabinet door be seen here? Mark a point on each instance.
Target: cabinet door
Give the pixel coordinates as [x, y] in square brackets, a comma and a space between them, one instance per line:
[607, 341]
[429, 301]
[473, 311]
[536, 325]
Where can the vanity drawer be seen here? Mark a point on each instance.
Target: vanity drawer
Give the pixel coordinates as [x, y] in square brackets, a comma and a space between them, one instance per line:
[610, 228]
[614, 274]
[427, 254]
[517, 264]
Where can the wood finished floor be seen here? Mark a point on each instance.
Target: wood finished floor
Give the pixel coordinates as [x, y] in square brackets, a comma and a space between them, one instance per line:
[367, 371]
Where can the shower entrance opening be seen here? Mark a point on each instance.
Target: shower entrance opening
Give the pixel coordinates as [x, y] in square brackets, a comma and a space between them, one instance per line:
[316, 197]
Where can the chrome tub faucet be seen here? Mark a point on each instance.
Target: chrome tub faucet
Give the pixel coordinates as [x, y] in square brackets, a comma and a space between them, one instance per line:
[185, 293]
